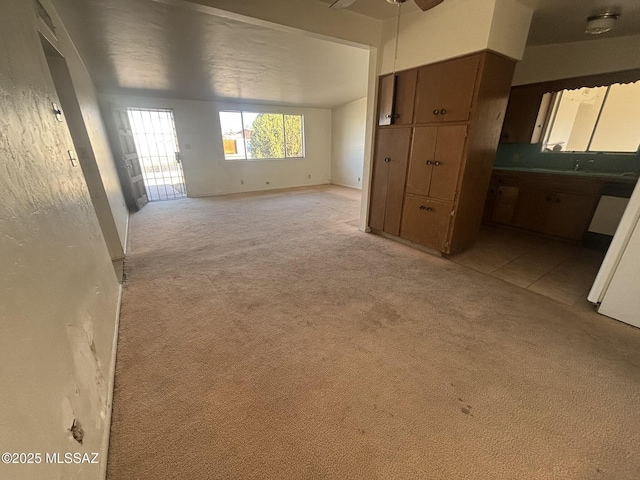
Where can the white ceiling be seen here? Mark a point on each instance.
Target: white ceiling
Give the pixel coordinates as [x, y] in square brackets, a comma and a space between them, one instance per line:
[554, 21]
[146, 47]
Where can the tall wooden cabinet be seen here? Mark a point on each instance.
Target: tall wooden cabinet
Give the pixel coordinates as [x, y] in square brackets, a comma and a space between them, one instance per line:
[437, 134]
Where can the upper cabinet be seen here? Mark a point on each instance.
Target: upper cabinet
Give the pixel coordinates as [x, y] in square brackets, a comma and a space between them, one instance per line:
[444, 91]
[396, 96]
[522, 113]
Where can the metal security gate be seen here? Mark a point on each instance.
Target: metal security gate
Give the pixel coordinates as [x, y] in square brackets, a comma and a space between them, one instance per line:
[154, 134]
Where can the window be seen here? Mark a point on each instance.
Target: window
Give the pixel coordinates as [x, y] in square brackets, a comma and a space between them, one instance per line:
[600, 119]
[249, 136]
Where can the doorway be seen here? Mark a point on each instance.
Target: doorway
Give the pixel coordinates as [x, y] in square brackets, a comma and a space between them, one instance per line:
[154, 134]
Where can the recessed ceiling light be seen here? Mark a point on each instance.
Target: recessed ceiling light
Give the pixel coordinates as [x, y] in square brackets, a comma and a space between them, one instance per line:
[601, 23]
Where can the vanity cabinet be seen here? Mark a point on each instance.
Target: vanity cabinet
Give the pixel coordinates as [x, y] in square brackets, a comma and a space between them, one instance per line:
[431, 175]
[556, 205]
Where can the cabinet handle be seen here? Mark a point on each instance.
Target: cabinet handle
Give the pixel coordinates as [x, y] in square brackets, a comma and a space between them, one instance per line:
[443, 111]
[437, 163]
[436, 112]
[428, 209]
[388, 115]
[429, 162]
[387, 159]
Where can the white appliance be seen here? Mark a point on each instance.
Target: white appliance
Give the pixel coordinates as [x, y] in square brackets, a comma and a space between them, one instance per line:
[616, 289]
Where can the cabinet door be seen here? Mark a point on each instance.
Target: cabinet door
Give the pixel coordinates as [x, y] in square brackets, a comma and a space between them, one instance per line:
[426, 221]
[405, 92]
[570, 215]
[522, 112]
[423, 152]
[505, 204]
[389, 174]
[386, 90]
[447, 162]
[445, 90]
[532, 209]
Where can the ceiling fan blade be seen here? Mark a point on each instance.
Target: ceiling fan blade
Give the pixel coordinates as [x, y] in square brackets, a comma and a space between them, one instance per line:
[427, 4]
[341, 4]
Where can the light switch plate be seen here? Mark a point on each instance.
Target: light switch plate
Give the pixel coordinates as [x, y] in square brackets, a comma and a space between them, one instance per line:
[72, 157]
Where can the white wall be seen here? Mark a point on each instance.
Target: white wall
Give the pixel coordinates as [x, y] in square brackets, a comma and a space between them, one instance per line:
[205, 168]
[348, 125]
[455, 28]
[58, 290]
[553, 62]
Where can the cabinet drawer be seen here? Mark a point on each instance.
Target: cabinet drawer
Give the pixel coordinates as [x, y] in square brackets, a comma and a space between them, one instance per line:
[426, 221]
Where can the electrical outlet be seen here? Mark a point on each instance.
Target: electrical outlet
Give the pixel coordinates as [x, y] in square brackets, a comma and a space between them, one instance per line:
[57, 111]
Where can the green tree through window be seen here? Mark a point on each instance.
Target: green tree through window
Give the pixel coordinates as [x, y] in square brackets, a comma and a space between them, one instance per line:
[266, 135]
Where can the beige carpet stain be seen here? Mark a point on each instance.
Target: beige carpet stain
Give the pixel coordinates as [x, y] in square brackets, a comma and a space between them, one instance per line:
[264, 337]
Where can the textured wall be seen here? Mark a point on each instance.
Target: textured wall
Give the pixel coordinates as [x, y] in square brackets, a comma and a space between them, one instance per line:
[348, 124]
[58, 291]
[205, 168]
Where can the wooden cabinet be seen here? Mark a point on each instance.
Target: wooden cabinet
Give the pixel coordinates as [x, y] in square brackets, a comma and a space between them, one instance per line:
[389, 173]
[386, 92]
[556, 205]
[435, 161]
[396, 98]
[570, 215]
[505, 204]
[522, 112]
[426, 221]
[444, 92]
[433, 192]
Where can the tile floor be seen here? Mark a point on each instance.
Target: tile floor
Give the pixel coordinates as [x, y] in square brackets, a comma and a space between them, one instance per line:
[552, 268]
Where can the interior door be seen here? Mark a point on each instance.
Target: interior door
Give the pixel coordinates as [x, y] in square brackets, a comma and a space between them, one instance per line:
[130, 169]
[423, 152]
[447, 162]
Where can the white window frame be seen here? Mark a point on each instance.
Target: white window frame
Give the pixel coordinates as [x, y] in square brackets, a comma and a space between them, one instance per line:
[282, 114]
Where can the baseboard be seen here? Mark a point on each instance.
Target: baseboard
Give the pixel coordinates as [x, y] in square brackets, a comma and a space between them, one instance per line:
[104, 450]
[125, 247]
[262, 190]
[346, 186]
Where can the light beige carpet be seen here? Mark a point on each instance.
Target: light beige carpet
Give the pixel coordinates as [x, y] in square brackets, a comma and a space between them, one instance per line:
[264, 337]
